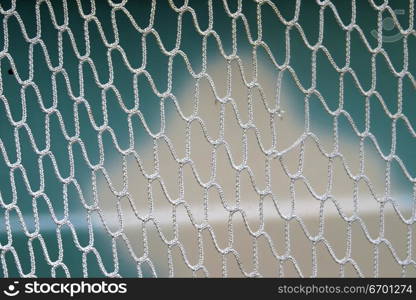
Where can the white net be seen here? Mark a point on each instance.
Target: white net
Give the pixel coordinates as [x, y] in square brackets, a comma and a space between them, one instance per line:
[207, 138]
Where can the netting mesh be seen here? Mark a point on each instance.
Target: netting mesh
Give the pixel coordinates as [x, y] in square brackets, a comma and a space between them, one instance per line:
[176, 200]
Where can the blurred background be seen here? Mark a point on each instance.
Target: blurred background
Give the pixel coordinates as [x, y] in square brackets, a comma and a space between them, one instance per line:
[293, 210]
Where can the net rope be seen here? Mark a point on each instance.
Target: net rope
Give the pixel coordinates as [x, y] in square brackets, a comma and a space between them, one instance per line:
[275, 112]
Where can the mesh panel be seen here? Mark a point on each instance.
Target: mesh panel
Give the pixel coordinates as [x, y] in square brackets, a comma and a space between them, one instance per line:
[207, 138]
